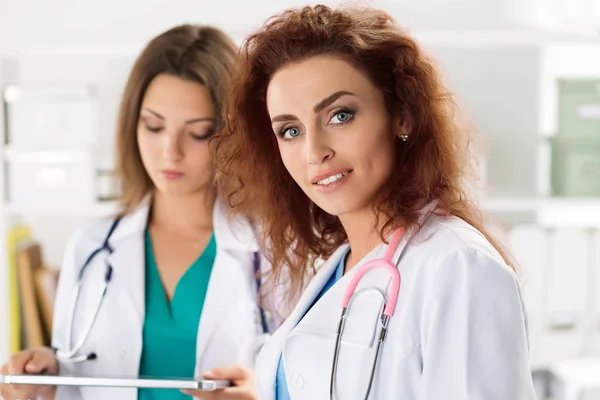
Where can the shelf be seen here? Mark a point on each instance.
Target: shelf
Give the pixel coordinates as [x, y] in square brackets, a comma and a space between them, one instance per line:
[510, 204]
[98, 209]
[547, 211]
[563, 212]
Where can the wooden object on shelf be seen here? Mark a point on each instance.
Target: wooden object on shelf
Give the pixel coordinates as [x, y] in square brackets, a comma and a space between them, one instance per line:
[29, 261]
[16, 235]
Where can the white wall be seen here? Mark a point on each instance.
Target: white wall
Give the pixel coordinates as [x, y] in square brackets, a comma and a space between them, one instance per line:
[505, 88]
[106, 73]
[38, 26]
[498, 90]
[8, 71]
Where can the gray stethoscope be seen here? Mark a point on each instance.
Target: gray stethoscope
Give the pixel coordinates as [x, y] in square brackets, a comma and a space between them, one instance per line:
[70, 355]
[388, 311]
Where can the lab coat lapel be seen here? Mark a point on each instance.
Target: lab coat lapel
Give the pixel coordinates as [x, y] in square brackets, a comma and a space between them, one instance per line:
[128, 258]
[234, 239]
[218, 300]
[309, 371]
[269, 356]
[322, 319]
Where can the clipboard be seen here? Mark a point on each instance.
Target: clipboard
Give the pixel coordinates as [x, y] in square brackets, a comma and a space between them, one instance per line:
[141, 382]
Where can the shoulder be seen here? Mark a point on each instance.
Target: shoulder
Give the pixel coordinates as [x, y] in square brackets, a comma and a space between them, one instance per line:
[449, 234]
[233, 232]
[443, 238]
[455, 255]
[92, 234]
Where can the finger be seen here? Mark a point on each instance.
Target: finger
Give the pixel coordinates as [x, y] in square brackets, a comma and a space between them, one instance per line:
[230, 372]
[233, 393]
[199, 394]
[40, 362]
[12, 393]
[16, 364]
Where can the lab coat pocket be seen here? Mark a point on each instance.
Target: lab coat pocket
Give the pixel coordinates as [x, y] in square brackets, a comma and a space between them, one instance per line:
[308, 352]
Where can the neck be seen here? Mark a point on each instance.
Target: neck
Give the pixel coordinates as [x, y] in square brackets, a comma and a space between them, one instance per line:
[363, 235]
[188, 215]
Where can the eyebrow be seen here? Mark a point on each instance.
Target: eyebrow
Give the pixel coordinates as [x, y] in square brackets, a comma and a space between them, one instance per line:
[190, 121]
[330, 100]
[317, 108]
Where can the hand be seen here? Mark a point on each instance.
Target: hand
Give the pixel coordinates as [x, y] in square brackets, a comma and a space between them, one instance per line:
[38, 360]
[244, 387]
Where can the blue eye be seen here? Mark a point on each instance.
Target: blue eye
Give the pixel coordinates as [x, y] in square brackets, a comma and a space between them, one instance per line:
[342, 116]
[290, 133]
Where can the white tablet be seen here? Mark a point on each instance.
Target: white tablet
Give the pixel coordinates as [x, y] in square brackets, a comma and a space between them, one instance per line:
[141, 382]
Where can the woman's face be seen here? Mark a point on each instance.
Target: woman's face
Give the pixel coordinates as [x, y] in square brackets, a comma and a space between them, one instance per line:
[335, 135]
[176, 118]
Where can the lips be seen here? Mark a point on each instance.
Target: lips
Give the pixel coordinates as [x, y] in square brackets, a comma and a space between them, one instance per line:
[330, 176]
[171, 174]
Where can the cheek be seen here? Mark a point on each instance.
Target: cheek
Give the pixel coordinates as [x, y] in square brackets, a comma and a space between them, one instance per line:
[145, 147]
[291, 156]
[200, 156]
[376, 151]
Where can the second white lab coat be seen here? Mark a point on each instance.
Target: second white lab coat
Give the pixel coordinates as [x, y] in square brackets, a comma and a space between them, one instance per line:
[459, 330]
[229, 331]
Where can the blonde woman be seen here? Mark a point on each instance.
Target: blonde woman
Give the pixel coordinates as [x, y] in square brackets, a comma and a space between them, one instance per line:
[181, 293]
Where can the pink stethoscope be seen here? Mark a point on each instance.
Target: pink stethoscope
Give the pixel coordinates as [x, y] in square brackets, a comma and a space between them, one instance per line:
[388, 311]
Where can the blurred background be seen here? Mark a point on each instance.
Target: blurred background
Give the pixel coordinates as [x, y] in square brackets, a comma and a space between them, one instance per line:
[525, 72]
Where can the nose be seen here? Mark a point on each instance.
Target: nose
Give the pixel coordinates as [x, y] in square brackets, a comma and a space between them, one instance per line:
[317, 149]
[173, 149]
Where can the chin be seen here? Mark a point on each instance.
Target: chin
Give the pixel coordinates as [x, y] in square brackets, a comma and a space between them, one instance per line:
[337, 208]
[176, 190]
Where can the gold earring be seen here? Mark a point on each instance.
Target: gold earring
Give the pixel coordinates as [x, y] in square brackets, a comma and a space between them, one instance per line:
[404, 137]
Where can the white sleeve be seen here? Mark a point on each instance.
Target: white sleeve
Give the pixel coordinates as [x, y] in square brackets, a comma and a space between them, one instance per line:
[64, 292]
[474, 332]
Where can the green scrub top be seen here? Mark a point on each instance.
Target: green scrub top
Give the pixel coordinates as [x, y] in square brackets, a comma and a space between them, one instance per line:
[171, 328]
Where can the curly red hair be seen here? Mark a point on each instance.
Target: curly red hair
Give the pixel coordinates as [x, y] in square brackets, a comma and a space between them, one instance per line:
[432, 165]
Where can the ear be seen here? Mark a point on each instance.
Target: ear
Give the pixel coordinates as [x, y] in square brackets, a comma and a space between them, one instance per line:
[402, 127]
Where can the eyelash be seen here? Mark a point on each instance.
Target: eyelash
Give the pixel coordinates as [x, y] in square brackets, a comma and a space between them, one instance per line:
[344, 110]
[335, 112]
[153, 129]
[206, 136]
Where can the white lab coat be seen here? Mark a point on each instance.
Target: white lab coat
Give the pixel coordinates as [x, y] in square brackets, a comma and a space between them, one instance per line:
[229, 330]
[459, 330]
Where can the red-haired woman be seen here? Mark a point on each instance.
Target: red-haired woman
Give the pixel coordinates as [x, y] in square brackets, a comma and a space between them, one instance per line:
[342, 144]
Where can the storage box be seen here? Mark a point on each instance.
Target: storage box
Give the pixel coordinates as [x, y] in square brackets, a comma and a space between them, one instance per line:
[575, 166]
[50, 180]
[579, 108]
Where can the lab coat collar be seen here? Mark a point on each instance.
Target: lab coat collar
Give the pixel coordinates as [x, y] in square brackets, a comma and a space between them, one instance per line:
[269, 357]
[231, 232]
[265, 376]
[129, 257]
[133, 223]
